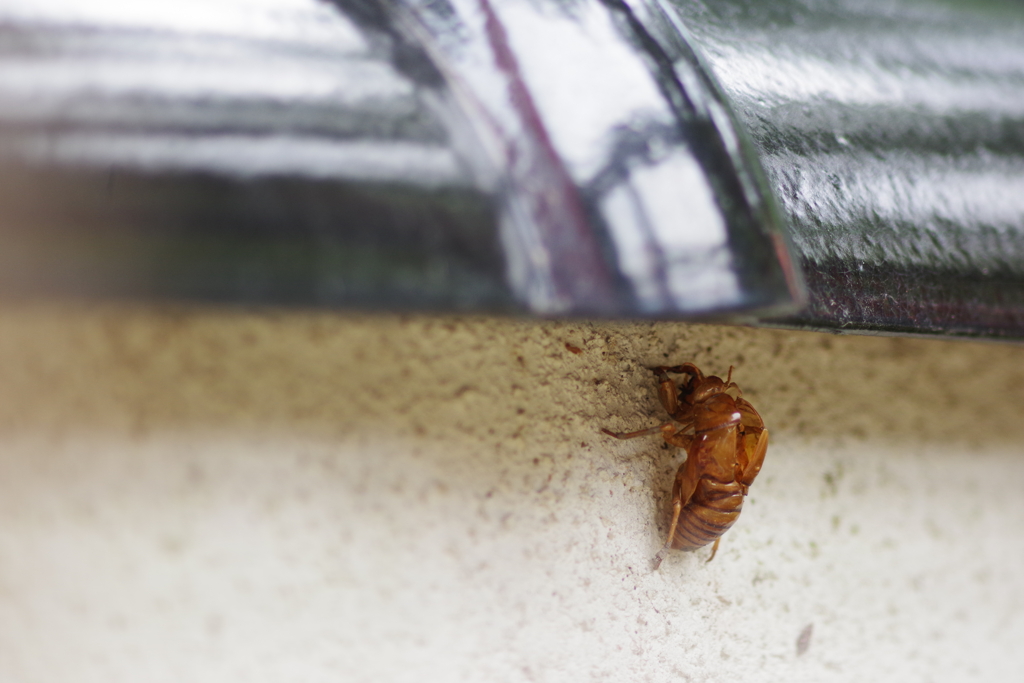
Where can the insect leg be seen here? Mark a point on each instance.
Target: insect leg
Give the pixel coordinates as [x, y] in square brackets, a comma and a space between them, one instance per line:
[714, 549]
[684, 369]
[677, 507]
[656, 429]
[674, 435]
[668, 393]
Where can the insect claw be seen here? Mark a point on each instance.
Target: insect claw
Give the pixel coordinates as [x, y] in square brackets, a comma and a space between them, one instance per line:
[657, 561]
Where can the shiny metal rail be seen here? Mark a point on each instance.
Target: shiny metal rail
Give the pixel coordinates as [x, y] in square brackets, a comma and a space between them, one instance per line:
[544, 157]
[616, 158]
[269, 152]
[893, 133]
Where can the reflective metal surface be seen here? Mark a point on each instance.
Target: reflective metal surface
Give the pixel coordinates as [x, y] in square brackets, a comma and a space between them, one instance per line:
[558, 157]
[893, 132]
[631, 191]
[263, 152]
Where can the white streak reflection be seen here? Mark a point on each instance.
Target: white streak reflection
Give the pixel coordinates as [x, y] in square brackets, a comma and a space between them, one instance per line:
[779, 74]
[247, 156]
[671, 237]
[304, 22]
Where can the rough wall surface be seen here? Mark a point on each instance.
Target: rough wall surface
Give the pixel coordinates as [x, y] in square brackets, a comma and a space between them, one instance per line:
[210, 495]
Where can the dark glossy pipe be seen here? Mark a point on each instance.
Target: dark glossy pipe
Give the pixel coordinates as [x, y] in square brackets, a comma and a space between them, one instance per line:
[555, 158]
[893, 133]
[608, 158]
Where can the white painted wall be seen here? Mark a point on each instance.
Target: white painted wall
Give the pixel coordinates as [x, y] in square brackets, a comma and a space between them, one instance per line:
[208, 495]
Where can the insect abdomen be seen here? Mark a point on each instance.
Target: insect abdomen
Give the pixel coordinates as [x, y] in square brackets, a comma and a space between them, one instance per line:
[714, 508]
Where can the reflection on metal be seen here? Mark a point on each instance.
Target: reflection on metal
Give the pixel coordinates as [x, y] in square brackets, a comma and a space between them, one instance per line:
[893, 133]
[631, 193]
[664, 265]
[263, 151]
[557, 156]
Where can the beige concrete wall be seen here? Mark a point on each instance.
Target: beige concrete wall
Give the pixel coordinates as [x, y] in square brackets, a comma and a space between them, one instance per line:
[197, 495]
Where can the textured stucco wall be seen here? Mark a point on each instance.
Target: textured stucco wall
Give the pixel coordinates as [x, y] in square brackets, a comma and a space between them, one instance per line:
[213, 495]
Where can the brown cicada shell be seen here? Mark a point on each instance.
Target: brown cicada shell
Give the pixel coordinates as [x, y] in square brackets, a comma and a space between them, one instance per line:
[725, 442]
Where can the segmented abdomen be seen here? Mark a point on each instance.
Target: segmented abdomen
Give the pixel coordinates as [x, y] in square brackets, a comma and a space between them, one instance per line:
[713, 508]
